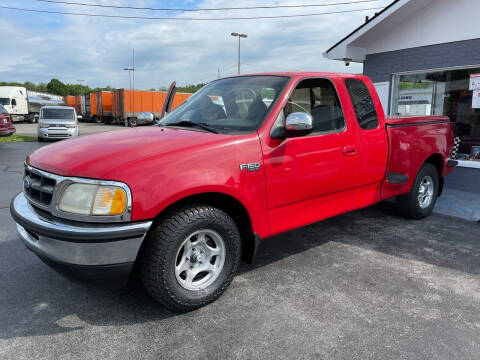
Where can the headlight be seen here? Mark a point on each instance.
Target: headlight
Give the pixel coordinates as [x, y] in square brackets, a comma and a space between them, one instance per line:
[90, 199]
[70, 126]
[43, 125]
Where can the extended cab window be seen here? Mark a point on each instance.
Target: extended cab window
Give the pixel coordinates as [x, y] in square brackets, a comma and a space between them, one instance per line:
[319, 98]
[363, 104]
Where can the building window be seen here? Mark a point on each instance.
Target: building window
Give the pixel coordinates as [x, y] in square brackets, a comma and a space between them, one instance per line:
[441, 93]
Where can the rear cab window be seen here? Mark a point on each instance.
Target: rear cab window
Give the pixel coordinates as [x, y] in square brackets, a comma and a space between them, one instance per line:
[363, 105]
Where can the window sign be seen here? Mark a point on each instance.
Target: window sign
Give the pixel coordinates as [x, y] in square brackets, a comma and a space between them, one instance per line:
[476, 99]
[474, 82]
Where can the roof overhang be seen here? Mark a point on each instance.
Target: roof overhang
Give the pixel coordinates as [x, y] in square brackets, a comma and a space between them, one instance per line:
[345, 49]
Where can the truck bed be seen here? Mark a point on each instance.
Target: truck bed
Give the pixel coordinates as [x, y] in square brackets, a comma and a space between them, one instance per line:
[414, 140]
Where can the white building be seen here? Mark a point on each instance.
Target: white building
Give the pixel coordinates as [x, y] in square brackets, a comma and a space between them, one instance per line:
[420, 54]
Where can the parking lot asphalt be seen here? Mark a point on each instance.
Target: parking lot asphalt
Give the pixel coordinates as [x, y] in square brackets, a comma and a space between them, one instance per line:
[84, 128]
[365, 285]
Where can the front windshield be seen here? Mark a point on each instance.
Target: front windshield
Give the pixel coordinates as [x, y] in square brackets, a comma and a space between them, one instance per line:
[3, 111]
[60, 114]
[4, 101]
[237, 104]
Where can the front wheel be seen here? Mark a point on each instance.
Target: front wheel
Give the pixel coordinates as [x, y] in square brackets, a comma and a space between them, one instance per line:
[419, 202]
[190, 257]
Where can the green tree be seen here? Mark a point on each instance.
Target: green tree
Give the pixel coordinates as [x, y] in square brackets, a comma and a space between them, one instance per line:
[57, 87]
[42, 87]
[190, 88]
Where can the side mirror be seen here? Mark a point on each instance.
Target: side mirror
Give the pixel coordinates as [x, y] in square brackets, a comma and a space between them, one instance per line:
[145, 118]
[298, 124]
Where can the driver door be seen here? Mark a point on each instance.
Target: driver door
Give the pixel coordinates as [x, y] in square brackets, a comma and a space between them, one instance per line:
[309, 177]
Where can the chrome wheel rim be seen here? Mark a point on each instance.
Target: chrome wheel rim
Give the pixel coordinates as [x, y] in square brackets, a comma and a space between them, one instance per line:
[425, 192]
[200, 259]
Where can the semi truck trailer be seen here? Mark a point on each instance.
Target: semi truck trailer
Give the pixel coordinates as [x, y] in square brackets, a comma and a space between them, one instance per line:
[23, 104]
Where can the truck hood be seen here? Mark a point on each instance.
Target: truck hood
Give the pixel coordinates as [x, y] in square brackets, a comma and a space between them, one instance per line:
[105, 155]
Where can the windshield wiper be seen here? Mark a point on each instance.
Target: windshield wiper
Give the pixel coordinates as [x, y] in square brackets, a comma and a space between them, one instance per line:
[188, 123]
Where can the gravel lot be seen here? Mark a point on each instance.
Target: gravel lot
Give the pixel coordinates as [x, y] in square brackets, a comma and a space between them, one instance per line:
[366, 285]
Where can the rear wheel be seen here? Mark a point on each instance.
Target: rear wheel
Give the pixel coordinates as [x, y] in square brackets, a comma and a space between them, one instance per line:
[190, 257]
[419, 202]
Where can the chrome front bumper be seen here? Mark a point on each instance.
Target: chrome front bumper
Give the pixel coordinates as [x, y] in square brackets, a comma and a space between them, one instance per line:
[77, 244]
[57, 133]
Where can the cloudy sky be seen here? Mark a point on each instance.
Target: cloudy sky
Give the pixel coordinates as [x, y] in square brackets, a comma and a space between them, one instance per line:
[39, 46]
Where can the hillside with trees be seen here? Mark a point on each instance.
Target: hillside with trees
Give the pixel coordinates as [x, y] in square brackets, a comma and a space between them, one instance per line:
[57, 87]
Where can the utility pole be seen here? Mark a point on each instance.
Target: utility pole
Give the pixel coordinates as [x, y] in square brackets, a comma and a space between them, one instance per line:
[239, 37]
[80, 83]
[218, 76]
[131, 80]
[133, 74]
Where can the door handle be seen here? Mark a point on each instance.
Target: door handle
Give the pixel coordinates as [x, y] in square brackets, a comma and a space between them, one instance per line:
[349, 150]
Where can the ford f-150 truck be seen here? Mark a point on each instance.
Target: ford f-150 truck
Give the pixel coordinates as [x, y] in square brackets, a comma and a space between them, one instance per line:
[245, 158]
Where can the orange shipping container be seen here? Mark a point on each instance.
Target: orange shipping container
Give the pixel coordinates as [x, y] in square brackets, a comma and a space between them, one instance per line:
[179, 99]
[69, 100]
[128, 103]
[104, 103]
[78, 104]
[90, 104]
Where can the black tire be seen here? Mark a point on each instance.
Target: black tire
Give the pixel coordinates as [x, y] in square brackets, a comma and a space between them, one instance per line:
[159, 256]
[409, 205]
[132, 122]
[41, 139]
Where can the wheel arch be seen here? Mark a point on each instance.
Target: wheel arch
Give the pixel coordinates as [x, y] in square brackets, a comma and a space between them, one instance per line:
[437, 161]
[230, 205]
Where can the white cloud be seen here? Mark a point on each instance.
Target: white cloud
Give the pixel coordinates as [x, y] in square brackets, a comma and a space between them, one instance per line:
[97, 49]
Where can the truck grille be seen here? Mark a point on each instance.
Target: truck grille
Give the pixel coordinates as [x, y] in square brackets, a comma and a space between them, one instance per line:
[38, 187]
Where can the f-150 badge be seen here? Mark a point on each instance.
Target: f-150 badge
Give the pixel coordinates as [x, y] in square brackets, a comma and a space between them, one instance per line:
[250, 166]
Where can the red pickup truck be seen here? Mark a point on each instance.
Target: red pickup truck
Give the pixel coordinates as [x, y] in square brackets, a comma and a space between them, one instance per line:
[6, 126]
[245, 158]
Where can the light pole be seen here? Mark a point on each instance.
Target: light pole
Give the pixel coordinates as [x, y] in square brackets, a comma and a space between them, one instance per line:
[80, 83]
[131, 71]
[239, 36]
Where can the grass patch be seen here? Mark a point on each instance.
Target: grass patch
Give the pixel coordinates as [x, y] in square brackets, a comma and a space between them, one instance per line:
[17, 138]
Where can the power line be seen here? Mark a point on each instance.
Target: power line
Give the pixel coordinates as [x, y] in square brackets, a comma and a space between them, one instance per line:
[205, 9]
[185, 18]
